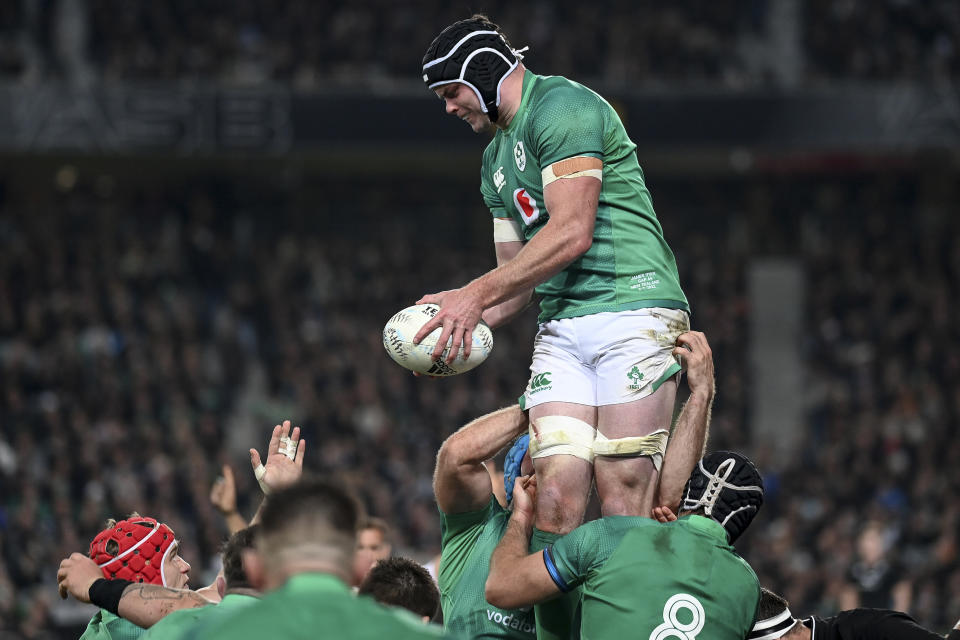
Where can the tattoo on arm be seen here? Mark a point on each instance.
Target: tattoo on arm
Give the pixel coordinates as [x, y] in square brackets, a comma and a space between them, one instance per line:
[146, 604]
[157, 592]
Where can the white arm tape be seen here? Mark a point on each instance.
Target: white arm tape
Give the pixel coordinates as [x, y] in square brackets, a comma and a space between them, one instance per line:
[561, 435]
[653, 445]
[575, 167]
[506, 230]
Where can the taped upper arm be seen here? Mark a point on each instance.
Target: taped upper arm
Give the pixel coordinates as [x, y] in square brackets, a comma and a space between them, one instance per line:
[573, 204]
[575, 167]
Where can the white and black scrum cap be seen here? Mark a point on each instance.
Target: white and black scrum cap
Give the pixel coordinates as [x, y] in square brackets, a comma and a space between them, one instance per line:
[773, 627]
[729, 489]
[774, 619]
[474, 53]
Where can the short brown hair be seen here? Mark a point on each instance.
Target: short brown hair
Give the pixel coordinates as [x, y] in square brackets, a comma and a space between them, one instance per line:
[400, 582]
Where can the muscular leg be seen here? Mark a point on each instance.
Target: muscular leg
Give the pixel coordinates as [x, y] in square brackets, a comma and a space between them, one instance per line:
[627, 486]
[563, 481]
[563, 485]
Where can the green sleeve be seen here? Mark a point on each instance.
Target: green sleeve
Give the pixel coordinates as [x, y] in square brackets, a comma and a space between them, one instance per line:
[107, 626]
[568, 122]
[491, 197]
[572, 557]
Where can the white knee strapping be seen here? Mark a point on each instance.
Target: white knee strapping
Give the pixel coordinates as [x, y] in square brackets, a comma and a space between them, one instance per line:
[653, 445]
[561, 435]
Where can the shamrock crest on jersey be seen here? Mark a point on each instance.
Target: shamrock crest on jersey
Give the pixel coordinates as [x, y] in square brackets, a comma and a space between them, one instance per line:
[520, 155]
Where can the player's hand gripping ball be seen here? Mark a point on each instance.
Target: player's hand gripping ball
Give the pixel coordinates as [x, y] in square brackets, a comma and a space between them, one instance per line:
[403, 326]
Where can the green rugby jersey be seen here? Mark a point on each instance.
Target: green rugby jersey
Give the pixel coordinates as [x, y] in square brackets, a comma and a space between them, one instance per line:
[629, 266]
[646, 579]
[107, 626]
[190, 623]
[319, 605]
[468, 541]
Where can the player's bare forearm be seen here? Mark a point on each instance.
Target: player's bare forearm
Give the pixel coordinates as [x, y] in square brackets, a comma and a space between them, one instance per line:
[502, 313]
[256, 516]
[567, 235]
[544, 256]
[461, 483]
[517, 578]
[484, 437]
[686, 446]
[146, 604]
[689, 436]
[504, 586]
[235, 522]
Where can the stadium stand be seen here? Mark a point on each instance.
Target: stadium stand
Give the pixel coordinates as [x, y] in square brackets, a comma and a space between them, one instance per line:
[131, 325]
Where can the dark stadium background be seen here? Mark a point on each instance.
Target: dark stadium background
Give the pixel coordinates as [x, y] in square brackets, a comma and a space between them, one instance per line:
[209, 209]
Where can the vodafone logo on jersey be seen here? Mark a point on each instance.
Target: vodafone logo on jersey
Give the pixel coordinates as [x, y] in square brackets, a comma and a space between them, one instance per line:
[526, 205]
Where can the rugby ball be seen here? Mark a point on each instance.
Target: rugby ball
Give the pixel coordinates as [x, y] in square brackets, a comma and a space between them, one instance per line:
[403, 326]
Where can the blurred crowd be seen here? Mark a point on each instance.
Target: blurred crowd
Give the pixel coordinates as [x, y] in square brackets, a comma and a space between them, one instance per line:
[149, 335]
[883, 398]
[140, 333]
[901, 40]
[615, 43]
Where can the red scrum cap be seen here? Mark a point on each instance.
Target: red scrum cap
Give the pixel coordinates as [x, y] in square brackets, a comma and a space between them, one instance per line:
[133, 549]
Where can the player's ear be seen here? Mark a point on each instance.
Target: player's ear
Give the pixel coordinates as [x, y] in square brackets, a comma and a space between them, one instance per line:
[221, 585]
[255, 570]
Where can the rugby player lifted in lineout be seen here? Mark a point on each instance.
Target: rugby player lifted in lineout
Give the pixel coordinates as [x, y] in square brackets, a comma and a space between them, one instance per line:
[572, 220]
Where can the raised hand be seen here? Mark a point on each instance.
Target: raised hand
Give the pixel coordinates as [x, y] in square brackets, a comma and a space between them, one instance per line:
[223, 494]
[697, 357]
[284, 464]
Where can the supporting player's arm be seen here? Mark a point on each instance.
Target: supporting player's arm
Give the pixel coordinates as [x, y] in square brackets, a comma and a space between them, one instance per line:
[517, 578]
[567, 235]
[146, 604]
[461, 482]
[689, 437]
[142, 604]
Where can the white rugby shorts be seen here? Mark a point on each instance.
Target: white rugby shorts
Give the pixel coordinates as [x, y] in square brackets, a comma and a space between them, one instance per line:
[604, 358]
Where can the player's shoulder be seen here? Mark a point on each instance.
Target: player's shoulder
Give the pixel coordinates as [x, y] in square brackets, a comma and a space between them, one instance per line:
[550, 92]
[626, 523]
[747, 574]
[491, 149]
[608, 527]
[550, 86]
[491, 508]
